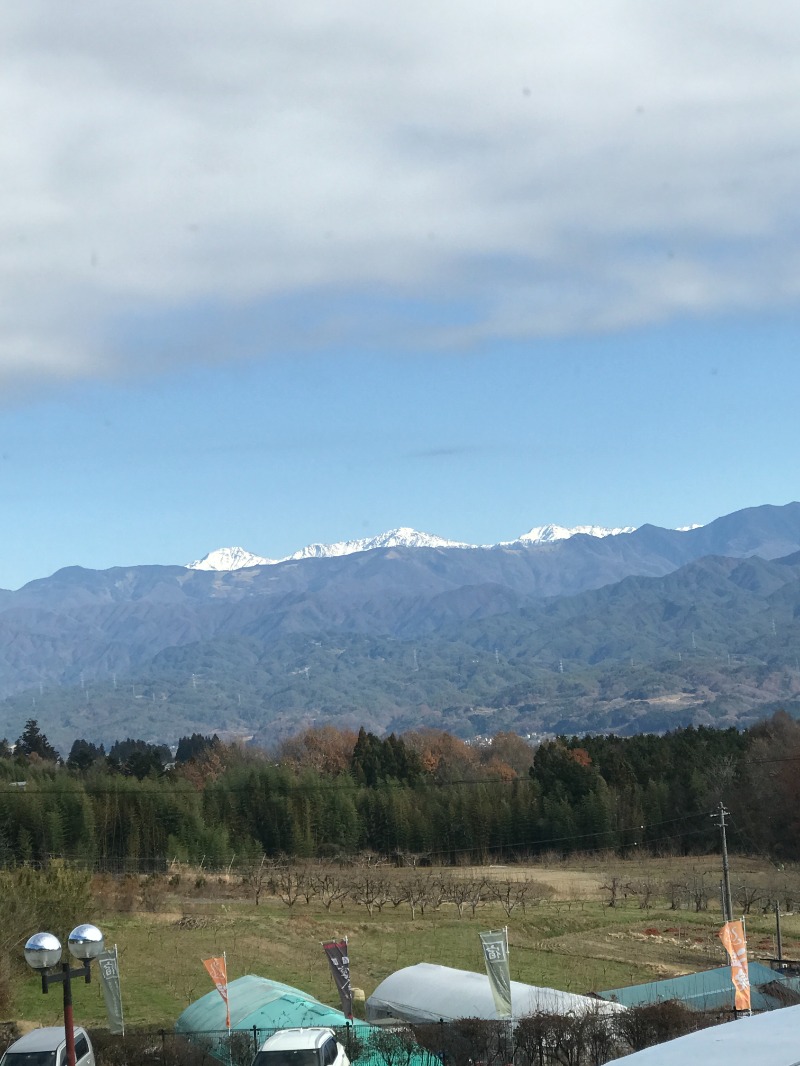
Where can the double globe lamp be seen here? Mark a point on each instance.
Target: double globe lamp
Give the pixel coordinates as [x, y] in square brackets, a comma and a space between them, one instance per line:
[43, 953]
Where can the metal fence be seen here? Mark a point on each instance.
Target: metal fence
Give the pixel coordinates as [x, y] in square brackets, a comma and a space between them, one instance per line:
[538, 1040]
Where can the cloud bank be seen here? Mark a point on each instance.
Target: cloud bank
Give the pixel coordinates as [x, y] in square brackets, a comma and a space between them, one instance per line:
[198, 180]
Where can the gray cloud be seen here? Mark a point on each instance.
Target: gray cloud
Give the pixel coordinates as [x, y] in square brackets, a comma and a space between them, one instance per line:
[522, 169]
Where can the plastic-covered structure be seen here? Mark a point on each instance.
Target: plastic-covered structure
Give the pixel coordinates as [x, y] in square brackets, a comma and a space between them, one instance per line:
[426, 992]
[260, 1007]
[713, 990]
[257, 1001]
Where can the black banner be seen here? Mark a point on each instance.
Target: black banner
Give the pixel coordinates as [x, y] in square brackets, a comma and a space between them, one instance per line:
[336, 950]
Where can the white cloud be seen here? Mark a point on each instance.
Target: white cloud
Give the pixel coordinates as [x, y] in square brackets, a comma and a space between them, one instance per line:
[543, 166]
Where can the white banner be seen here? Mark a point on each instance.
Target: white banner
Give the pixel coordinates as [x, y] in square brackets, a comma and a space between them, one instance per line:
[108, 963]
[495, 952]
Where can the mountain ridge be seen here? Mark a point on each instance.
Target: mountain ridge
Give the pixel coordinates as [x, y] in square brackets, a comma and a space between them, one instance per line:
[237, 558]
[583, 601]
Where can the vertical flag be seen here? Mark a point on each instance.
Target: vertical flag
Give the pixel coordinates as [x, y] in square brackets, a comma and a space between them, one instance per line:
[495, 952]
[108, 964]
[218, 972]
[336, 950]
[732, 936]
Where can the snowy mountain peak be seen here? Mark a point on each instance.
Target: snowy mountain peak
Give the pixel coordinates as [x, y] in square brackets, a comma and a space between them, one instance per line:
[404, 537]
[549, 534]
[228, 559]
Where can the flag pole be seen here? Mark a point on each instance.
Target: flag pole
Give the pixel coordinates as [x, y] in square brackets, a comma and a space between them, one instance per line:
[510, 1001]
[227, 1007]
[119, 979]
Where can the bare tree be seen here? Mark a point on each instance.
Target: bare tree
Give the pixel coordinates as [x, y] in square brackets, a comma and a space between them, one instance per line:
[330, 888]
[289, 881]
[459, 891]
[397, 891]
[745, 896]
[418, 890]
[677, 894]
[613, 886]
[256, 877]
[644, 889]
[369, 890]
[477, 894]
[699, 892]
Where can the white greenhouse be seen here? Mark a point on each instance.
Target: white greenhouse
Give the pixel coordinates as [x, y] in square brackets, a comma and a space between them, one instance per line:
[426, 992]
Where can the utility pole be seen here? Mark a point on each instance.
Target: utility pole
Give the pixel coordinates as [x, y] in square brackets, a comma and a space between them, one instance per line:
[727, 906]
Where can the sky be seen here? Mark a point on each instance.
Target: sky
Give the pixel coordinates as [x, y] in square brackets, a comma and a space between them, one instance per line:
[281, 274]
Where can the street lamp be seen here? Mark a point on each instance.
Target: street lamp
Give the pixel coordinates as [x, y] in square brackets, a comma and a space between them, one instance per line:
[43, 953]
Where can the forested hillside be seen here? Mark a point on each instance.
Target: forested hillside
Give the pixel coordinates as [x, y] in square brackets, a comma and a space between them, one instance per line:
[640, 632]
[420, 797]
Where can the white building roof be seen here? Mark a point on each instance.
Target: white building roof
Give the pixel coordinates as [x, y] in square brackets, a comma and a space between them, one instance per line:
[427, 992]
[771, 1039]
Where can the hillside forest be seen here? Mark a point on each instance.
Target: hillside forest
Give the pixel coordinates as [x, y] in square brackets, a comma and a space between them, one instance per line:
[423, 797]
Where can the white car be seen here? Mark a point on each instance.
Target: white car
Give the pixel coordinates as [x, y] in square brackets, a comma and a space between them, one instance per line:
[300, 1047]
[48, 1047]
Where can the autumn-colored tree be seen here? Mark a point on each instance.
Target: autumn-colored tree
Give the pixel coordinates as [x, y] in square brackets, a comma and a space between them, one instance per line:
[325, 749]
[581, 756]
[496, 768]
[206, 767]
[442, 755]
[512, 750]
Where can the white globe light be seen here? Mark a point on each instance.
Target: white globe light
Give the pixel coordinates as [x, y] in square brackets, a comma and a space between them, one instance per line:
[85, 942]
[42, 951]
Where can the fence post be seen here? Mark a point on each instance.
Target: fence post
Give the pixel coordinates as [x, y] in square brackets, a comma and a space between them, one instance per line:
[163, 1046]
[255, 1039]
[441, 1042]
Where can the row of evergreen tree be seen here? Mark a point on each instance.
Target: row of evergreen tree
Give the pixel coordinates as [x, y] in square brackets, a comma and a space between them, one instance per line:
[427, 795]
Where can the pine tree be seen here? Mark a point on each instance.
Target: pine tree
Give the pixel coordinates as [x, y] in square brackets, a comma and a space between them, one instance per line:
[34, 742]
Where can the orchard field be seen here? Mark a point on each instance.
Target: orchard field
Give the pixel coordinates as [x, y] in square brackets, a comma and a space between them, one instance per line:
[583, 925]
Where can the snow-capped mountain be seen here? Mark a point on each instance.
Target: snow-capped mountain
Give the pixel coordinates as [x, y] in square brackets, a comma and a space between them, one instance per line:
[404, 537]
[395, 538]
[549, 534]
[229, 559]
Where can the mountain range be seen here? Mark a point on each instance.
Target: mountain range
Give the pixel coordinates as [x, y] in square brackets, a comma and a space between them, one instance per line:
[405, 537]
[624, 630]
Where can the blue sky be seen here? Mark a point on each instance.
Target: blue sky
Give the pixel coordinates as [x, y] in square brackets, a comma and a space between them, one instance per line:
[276, 277]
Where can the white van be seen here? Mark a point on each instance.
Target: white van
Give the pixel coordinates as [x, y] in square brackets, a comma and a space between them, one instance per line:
[298, 1047]
[48, 1047]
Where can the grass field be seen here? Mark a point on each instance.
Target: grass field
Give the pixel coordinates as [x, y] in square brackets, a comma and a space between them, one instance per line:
[572, 941]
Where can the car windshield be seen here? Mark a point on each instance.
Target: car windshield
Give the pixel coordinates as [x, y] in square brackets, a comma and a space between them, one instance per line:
[28, 1058]
[288, 1057]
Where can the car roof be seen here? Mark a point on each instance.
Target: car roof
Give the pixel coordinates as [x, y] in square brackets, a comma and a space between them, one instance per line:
[49, 1038]
[297, 1039]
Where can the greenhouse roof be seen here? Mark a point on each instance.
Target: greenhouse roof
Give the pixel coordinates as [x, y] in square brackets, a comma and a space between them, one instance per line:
[427, 992]
[260, 1002]
[713, 990]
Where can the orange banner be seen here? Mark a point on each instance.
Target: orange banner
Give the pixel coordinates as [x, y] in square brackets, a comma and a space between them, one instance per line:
[732, 936]
[218, 972]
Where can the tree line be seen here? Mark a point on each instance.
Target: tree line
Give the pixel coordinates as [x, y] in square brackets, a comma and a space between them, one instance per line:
[420, 797]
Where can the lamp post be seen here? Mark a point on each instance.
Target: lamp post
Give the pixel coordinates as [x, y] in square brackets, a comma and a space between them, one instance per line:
[43, 953]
